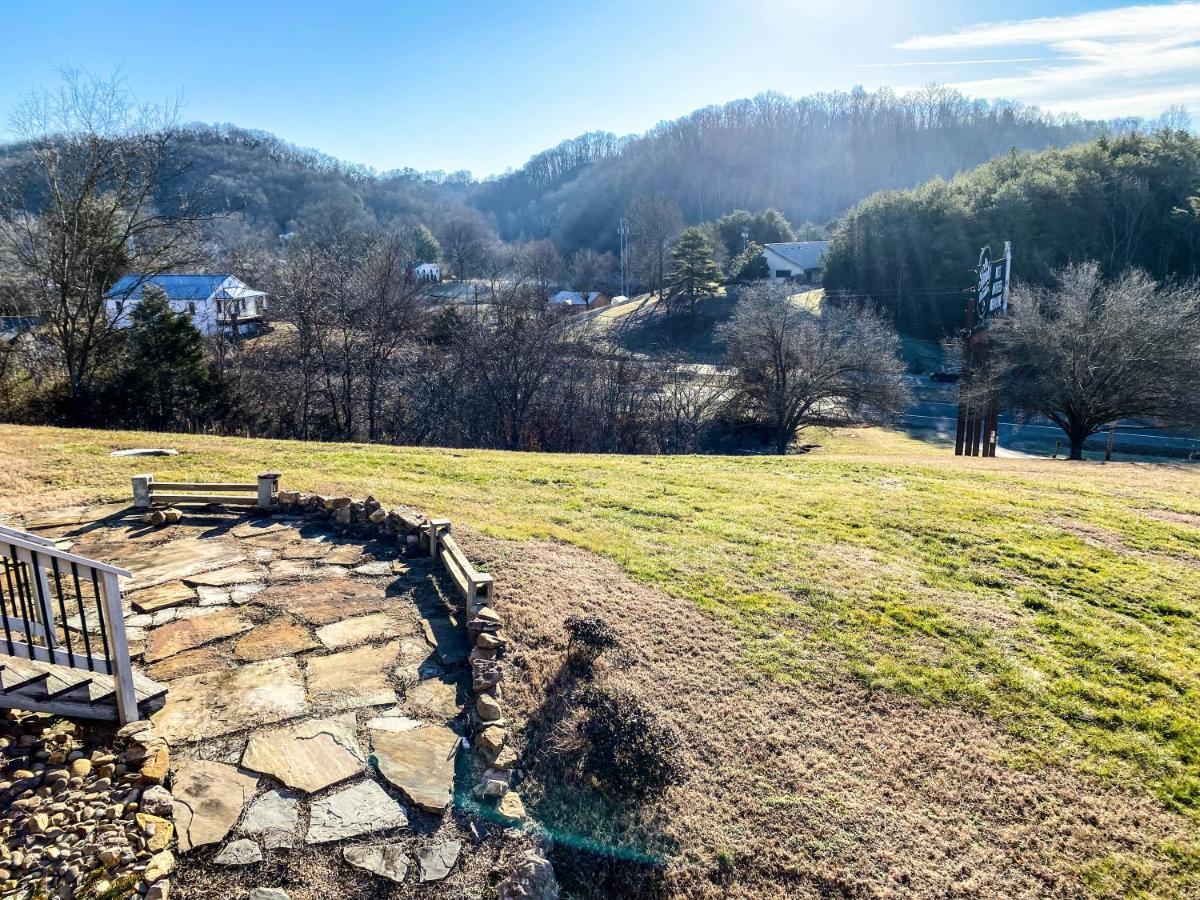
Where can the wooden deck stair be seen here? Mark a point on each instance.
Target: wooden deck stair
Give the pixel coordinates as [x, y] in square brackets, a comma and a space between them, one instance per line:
[44, 687]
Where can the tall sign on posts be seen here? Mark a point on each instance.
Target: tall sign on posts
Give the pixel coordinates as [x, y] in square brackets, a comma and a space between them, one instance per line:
[977, 422]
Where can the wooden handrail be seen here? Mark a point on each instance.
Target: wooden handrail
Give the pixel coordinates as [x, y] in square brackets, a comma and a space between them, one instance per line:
[199, 486]
[25, 536]
[51, 550]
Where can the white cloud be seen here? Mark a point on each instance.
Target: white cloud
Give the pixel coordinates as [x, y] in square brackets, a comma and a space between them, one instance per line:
[1134, 60]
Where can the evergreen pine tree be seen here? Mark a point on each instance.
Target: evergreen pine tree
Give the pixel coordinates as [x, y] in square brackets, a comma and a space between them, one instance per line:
[694, 274]
[166, 383]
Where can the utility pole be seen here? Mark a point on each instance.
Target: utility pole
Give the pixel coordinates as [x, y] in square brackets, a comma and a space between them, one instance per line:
[623, 234]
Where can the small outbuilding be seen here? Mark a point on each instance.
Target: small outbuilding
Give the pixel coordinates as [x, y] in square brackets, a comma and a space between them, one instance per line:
[581, 299]
[427, 272]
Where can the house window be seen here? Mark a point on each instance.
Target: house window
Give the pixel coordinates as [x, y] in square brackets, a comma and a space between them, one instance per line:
[192, 308]
[783, 273]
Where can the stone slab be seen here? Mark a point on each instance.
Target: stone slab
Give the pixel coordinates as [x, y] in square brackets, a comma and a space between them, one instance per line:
[309, 756]
[325, 600]
[374, 569]
[448, 640]
[353, 678]
[163, 596]
[385, 860]
[223, 702]
[208, 799]
[231, 575]
[435, 698]
[259, 528]
[72, 515]
[177, 559]
[419, 762]
[363, 808]
[436, 861]
[242, 852]
[343, 555]
[186, 634]
[189, 662]
[281, 637]
[273, 818]
[305, 550]
[359, 630]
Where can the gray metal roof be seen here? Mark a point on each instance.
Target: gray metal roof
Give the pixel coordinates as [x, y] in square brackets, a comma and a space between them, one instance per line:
[805, 254]
[182, 287]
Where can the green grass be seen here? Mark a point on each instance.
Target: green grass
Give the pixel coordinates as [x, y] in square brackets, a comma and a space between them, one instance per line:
[1042, 594]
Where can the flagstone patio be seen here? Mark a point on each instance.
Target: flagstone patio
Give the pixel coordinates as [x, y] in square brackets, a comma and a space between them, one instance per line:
[314, 689]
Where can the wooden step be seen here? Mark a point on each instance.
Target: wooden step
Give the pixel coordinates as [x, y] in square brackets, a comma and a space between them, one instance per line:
[20, 676]
[43, 687]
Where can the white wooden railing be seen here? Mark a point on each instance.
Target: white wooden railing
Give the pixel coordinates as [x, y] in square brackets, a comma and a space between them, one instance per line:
[59, 608]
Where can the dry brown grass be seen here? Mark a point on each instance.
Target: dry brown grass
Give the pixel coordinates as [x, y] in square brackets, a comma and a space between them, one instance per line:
[828, 790]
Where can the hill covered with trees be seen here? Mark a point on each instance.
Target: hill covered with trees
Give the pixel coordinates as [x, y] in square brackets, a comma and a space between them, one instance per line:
[1125, 201]
[811, 158]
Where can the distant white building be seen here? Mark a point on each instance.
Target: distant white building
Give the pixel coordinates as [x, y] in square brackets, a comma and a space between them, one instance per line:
[800, 261]
[580, 299]
[427, 272]
[214, 302]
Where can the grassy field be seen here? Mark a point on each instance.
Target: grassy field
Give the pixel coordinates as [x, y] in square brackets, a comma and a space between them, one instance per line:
[1057, 599]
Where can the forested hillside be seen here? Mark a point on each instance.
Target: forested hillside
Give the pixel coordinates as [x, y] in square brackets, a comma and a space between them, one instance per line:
[1126, 201]
[811, 158]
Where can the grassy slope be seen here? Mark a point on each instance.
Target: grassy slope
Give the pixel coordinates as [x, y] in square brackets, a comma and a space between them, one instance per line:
[1059, 598]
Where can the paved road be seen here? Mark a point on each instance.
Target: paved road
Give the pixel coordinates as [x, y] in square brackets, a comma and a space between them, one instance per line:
[943, 416]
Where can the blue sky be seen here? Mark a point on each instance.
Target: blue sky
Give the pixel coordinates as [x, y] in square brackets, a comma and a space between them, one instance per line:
[483, 85]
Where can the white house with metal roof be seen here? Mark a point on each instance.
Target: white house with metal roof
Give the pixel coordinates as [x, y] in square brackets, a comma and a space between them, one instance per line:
[214, 302]
[801, 261]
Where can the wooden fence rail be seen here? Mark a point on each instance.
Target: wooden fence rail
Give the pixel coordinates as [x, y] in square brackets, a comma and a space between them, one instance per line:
[261, 494]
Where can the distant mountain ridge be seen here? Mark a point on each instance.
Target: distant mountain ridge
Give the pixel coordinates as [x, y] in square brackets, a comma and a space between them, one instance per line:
[813, 158]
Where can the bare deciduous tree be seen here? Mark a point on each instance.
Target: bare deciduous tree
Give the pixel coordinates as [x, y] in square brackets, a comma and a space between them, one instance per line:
[464, 241]
[515, 334]
[80, 211]
[655, 221]
[591, 270]
[539, 263]
[1088, 352]
[795, 366]
[389, 310]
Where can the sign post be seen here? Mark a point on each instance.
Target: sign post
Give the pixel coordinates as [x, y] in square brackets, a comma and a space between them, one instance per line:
[975, 434]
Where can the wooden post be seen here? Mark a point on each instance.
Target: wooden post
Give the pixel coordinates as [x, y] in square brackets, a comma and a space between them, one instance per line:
[141, 491]
[1108, 450]
[268, 484]
[436, 527]
[1054, 455]
[118, 649]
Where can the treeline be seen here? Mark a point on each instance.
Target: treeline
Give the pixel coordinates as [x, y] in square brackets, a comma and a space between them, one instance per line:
[1126, 202]
[812, 158]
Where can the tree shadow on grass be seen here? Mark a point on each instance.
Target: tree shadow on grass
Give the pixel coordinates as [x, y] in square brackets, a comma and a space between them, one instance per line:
[603, 845]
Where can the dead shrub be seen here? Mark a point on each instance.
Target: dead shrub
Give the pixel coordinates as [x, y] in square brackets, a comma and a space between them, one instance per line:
[628, 747]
